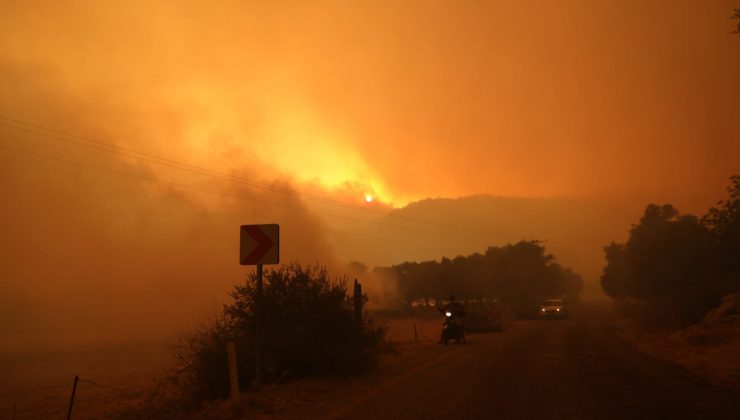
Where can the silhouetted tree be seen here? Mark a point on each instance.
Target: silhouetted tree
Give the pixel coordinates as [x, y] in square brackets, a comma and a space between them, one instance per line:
[572, 282]
[356, 268]
[615, 279]
[419, 280]
[677, 265]
[520, 275]
[724, 223]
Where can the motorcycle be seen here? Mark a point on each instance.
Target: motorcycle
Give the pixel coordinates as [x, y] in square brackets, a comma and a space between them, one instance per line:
[452, 329]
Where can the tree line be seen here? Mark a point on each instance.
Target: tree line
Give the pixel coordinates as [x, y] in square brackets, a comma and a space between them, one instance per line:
[677, 267]
[519, 275]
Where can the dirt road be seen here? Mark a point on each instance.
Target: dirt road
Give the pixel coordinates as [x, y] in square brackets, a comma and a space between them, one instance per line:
[577, 368]
[563, 369]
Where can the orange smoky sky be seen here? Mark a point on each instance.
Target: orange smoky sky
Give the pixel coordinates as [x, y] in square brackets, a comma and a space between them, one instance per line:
[407, 99]
[617, 101]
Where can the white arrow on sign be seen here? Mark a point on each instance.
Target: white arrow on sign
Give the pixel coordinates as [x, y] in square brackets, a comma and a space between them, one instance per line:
[259, 244]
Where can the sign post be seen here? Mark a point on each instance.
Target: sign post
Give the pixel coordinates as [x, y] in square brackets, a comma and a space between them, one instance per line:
[259, 244]
[258, 329]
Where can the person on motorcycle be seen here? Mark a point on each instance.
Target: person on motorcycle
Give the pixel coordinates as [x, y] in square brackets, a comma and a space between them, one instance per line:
[454, 307]
[458, 314]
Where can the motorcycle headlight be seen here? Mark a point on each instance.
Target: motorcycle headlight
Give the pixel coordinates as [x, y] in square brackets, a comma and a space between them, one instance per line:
[557, 309]
[448, 313]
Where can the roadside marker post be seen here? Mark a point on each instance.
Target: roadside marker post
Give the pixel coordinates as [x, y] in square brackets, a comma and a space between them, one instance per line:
[72, 398]
[258, 245]
[357, 300]
[258, 329]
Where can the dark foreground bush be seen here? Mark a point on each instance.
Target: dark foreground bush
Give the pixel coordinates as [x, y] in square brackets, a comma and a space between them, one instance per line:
[483, 316]
[308, 328]
[199, 369]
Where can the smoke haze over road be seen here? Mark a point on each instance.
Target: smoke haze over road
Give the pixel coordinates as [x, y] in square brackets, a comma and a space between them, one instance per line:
[556, 122]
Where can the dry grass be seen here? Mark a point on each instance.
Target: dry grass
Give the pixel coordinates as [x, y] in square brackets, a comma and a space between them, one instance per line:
[293, 398]
[401, 331]
[39, 385]
[710, 349]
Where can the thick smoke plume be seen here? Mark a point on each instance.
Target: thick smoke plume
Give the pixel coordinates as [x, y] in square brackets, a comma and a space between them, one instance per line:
[98, 246]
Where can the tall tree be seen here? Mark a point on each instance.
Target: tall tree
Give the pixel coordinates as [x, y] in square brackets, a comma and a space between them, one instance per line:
[678, 265]
[724, 222]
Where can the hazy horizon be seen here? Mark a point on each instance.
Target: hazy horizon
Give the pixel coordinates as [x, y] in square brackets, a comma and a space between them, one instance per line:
[136, 138]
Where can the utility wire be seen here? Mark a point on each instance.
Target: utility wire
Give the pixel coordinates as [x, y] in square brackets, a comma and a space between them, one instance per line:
[65, 385]
[34, 390]
[147, 157]
[221, 193]
[108, 387]
[159, 160]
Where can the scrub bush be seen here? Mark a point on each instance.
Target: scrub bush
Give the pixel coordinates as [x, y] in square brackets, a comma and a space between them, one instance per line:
[308, 328]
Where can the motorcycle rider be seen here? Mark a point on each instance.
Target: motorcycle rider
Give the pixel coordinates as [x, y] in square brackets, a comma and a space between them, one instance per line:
[458, 314]
[454, 307]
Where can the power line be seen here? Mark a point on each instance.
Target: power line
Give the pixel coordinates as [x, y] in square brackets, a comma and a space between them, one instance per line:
[33, 390]
[159, 160]
[221, 193]
[122, 151]
[108, 387]
[111, 148]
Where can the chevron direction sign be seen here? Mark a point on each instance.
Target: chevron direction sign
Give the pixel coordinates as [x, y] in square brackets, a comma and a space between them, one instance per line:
[259, 244]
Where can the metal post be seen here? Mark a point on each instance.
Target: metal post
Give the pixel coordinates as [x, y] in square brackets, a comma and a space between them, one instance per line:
[358, 302]
[258, 329]
[72, 399]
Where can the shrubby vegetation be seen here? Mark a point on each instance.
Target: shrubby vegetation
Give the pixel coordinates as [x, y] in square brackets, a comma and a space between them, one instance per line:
[676, 267]
[308, 328]
[519, 276]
